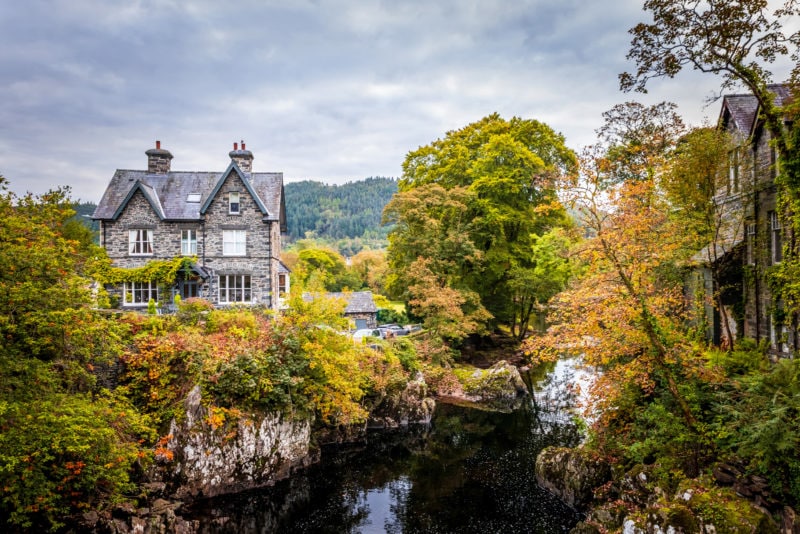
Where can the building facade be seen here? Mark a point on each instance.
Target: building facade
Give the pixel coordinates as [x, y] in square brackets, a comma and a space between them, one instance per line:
[228, 224]
[750, 236]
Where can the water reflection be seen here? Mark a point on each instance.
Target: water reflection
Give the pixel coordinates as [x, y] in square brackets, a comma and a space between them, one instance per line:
[469, 471]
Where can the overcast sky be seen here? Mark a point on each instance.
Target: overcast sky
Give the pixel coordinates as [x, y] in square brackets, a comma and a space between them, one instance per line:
[333, 91]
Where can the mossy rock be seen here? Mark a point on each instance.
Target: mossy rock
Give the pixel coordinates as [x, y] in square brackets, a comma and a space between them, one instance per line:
[571, 474]
[723, 509]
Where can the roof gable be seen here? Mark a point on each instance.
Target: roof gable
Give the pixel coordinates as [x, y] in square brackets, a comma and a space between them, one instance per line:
[233, 167]
[149, 194]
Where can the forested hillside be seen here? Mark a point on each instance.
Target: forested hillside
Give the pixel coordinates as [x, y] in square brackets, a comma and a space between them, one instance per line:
[338, 212]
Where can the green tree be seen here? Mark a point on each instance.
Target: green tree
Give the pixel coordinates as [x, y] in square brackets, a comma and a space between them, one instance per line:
[65, 444]
[502, 175]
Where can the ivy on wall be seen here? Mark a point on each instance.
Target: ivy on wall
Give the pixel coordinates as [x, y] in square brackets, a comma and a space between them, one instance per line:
[161, 272]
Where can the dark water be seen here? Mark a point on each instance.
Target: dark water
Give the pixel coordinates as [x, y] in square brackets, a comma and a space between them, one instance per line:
[470, 471]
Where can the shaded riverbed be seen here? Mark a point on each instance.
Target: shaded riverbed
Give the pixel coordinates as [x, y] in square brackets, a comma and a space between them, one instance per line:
[470, 471]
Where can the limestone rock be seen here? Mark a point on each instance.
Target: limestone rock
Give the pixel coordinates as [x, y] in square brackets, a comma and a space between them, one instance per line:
[571, 474]
[254, 451]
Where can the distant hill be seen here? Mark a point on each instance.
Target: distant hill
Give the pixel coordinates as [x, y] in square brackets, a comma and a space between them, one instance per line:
[84, 212]
[351, 211]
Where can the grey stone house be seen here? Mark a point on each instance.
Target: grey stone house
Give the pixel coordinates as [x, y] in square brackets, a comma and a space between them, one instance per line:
[750, 235]
[360, 309]
[229, 223]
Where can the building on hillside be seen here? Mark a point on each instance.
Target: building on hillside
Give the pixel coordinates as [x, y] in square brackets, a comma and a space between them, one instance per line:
[228, 222]
[750, 234]
[361, 308]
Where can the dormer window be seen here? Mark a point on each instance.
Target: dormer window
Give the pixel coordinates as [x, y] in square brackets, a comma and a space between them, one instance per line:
[233, 203]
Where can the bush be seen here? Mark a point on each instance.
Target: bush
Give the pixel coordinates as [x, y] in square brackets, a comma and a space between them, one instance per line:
[64, 454]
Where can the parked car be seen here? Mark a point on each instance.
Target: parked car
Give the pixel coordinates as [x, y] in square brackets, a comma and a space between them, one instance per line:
[363, 333]
[393, 330]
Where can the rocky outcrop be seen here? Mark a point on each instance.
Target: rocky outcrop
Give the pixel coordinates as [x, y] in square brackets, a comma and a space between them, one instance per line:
[499, 387]
[412, 405]
[208, 458]
[634, 503]
[571, 474]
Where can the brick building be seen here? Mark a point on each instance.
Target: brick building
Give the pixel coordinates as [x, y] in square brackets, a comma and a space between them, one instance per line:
[229, 222]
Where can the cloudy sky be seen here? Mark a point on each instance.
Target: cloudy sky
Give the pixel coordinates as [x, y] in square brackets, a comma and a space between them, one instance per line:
[328, 90]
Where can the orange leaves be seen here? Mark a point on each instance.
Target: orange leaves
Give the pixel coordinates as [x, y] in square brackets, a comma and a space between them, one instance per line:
[162, 452]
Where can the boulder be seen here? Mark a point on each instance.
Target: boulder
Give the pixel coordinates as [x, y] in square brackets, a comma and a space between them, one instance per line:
[411, 405]
[571, 474]
[499, 387]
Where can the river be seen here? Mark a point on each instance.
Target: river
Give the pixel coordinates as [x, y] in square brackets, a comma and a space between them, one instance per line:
[469, 471]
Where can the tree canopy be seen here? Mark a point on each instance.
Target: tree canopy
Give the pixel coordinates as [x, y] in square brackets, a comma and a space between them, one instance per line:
[482, 194]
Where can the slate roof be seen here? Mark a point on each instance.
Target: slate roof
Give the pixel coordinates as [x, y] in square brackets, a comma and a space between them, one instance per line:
[357, 301]
[169, 193]
[743, 109]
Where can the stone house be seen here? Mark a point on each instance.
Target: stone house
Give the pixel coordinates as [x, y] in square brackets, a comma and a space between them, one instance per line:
[229, 223]
[360, 309]
[750, 234]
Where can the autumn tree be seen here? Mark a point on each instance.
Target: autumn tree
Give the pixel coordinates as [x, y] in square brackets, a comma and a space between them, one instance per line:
[430, 256]
[371, 267]
[626, 313]
[738, 41]
[503, 172]
[696, 185]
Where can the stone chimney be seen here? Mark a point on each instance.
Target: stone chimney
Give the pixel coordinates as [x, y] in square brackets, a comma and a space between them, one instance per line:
[158, 160]
[243, 158]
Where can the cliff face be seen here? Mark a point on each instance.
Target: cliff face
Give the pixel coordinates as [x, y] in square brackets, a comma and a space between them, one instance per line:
[244, 454]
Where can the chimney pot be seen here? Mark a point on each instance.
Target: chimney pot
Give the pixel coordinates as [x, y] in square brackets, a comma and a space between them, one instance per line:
[242, 157]
[158, 160]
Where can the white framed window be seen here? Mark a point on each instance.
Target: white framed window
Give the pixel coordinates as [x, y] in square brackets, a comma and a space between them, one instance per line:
[775, 237]
[733, 170]
[189, 242]
[233, 203]
[140, 242]
[234, 288]
[283, 284]
[751, 243]
[139, 293]
[234, 242]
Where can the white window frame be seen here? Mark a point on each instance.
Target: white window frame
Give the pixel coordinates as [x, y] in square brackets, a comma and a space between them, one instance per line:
[234, 206]
[751, 242]
[188, 242]
[140, 242]
[235, 289]
[733, 170]
[775, 237]
[234, 242]
[140, 293]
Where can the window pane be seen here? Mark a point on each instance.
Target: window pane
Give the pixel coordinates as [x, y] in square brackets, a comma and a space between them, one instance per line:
[189, 242]
[234, 242]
